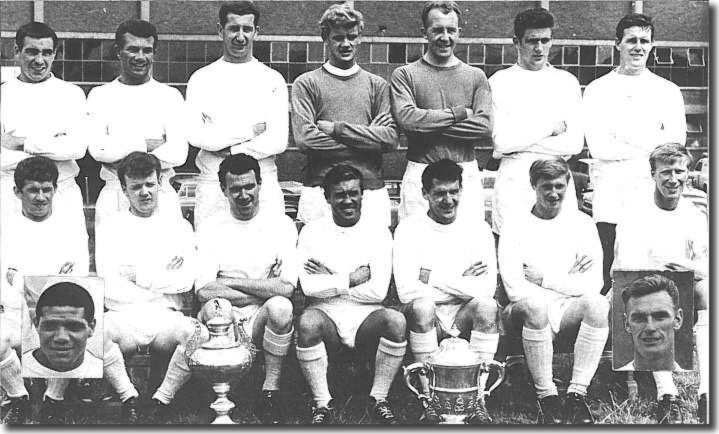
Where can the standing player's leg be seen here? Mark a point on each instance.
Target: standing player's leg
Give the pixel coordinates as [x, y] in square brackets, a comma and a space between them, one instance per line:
[383, 329]
[590, 313]
[315, 333]
[607, 236]
[272, 331]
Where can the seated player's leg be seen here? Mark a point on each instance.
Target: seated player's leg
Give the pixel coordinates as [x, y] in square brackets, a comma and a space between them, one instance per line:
[421, 319]
[421, 316]
[478, 318]
[384, 332]
[590, 313]
[316, 332]
[117, 336]
[530, 315]
[272, 331]
[176, 331]
[11, 369]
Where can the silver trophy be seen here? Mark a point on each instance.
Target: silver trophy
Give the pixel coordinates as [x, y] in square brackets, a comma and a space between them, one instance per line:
[451, 379]
[228, 353]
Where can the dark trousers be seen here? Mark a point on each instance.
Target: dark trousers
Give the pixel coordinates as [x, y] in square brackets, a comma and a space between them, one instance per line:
[607, 234]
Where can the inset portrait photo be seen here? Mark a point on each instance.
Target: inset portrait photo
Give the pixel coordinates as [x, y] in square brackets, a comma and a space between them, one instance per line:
[652, 320]
[64, 337]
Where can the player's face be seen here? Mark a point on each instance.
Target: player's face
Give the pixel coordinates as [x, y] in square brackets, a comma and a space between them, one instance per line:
[442, 32]
[443, 200]
[670, 178]
[136, 56]
[63, 333]
[35, 59]
[243, 193]
[342, 44]
[36, 199]
[345, 199]
[634, 47]
[533, 48]
[237, 37]
[550, 194]
[651, 320]
[142, 194]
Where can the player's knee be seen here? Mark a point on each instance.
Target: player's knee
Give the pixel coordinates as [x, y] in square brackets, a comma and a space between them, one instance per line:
[484, 309]
[596, 308]
[395, 325]
[423, 310]
[279, 311]
[207, 292]
[309, 325]
[533, 312]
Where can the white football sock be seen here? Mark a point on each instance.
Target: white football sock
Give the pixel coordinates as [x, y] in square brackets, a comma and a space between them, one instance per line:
[313, 363]
[11, 376]
[56, 388]
[587, 351]
[275, 347]
[115, 373]
[538, 352]
[701, 329]
[485, 344]
[423, 344]
[178, 373]
[387, 361]
[665, 384]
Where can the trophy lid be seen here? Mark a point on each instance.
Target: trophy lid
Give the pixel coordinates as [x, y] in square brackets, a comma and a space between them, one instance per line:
[454, 351]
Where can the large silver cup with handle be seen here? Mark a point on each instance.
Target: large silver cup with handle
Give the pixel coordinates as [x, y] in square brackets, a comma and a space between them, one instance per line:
[451, 379]
[228, 353]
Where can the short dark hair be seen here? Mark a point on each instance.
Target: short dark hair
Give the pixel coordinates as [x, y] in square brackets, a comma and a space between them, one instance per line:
[634, 20]
[138, 165]
[535, 18]
[667, 154]
[442, 170]
[446, 6]
[340, 173]
[35, 30]
[340, 15]
[237, 165]
[66, 294]
[139, 28]
[551, 168]
[244, 7]
[35, 168]
[650, 284]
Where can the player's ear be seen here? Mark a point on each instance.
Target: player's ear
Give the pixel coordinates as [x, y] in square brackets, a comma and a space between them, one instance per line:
[219, 29]
[17, 191]
[678, 319]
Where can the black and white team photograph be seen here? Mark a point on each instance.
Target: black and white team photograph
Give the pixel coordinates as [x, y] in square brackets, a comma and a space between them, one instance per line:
[358, 212]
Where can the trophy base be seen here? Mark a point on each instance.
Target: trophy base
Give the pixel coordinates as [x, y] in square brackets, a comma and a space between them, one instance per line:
[223, 420]
[453, 419]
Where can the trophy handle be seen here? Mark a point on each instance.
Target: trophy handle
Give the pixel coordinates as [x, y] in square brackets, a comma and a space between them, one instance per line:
[420, 369]
[486, 367]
